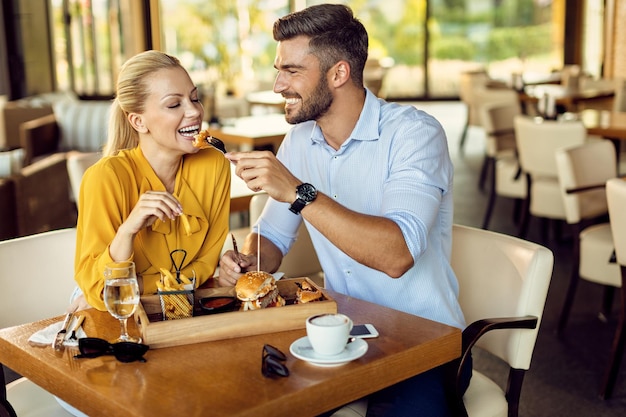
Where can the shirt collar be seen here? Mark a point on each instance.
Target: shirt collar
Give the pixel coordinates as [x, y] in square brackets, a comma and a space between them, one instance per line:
[366, 128]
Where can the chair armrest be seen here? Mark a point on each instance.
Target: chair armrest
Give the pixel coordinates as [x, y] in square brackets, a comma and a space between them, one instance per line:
[589, 187]
[477, 329]
[470, 336]
[501, 133]
[39, 137]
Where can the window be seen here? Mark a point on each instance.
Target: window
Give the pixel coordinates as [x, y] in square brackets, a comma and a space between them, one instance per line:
[420, 46]
[87, 45]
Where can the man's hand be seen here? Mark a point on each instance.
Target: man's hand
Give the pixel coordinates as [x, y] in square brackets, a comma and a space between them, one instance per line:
[261, 170]
[232, 267]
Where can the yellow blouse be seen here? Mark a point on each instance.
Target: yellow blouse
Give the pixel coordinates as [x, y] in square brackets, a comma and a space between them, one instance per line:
[109, 191]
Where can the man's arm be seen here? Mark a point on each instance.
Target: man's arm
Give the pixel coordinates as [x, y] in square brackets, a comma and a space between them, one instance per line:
[374, 241]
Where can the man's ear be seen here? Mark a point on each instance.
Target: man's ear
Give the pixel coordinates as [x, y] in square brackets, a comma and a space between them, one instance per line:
[136, 121]
[340, 73]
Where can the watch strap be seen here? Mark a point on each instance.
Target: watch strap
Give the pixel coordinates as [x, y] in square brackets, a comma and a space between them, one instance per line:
[297, 206]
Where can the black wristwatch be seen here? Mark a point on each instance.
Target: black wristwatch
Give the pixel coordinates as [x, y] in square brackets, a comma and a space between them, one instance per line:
[305, 194]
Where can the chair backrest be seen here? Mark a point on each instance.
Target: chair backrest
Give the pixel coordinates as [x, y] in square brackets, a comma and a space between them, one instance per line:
[616, 197]
[588, 165]
[77, 164]
[469, 84]
[469, 81]
[37, 276]
[82, 124]
[497, 118]
[501, 276]
[538, 139]
[571, 75]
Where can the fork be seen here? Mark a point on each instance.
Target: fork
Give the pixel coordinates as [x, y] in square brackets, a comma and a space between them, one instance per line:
[76, 326]
[216, 143]
[235, 249]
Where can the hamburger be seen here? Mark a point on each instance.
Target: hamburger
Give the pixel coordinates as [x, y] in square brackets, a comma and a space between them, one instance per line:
[257, 289]
[307, 293]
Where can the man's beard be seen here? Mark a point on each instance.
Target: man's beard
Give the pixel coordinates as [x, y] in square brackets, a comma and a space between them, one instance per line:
[315, 107]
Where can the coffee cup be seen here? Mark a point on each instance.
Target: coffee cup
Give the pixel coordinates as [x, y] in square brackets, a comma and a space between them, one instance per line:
[328, 333]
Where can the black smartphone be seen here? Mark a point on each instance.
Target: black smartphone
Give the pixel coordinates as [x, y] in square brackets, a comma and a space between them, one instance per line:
[364, 331]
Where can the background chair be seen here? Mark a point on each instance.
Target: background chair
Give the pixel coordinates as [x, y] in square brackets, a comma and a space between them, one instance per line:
[42, 196]
[583, 171]
[74, 125]
[48, 258]
[503, 284]
[77, 164]
[476, 88]
[537, 141]
[619, 101]
[501, 166]
[616, 197]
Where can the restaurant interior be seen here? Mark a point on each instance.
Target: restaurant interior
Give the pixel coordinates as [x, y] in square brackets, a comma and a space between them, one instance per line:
[57, 72]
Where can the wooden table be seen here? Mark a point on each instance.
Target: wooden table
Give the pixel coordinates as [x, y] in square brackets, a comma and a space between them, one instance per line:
[223, 378]
[568, 97]
[604, 123]
[254, 132]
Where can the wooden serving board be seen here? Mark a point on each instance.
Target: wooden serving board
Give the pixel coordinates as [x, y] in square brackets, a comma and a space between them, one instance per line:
[203, 328]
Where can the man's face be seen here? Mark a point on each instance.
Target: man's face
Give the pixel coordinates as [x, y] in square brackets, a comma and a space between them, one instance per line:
[300, 81]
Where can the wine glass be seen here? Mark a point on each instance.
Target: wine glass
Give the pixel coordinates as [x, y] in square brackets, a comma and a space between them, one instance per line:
[121, 295]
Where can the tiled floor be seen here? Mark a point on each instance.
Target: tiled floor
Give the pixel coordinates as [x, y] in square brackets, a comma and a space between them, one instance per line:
[566, 372]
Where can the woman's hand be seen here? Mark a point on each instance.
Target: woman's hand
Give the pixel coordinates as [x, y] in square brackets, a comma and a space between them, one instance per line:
[152, 205]
[232, 267]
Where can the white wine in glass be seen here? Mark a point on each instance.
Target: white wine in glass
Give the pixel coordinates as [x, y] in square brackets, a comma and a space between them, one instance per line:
[121, 295]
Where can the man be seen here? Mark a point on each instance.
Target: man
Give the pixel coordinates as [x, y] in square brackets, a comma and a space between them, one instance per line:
[372, 181]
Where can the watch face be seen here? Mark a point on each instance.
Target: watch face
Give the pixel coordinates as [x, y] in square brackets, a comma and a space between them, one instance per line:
[307, 192]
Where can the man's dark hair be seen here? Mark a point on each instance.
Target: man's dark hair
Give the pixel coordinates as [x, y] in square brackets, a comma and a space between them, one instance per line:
[335, 34]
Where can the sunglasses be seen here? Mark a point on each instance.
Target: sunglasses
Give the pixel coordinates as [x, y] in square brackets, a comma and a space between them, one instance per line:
[92, 347]
[272, 362]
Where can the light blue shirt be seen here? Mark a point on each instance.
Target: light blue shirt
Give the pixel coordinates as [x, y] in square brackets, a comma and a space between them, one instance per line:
[395, 165]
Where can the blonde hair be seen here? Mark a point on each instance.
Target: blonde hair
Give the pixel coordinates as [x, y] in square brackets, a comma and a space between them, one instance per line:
[132, 93]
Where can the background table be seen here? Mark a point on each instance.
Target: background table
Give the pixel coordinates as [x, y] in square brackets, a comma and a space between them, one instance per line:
[223, 378]
[254, 132]
[567, 97]
[608, 124]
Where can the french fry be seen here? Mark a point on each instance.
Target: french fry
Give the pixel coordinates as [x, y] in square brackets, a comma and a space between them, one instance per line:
[175, 306]
[184, 279]
[186, 225]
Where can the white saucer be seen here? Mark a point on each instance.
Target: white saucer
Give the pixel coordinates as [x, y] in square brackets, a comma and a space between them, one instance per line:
[302, 349]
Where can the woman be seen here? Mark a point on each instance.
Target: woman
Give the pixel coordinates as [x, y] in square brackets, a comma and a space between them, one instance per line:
[153, 192]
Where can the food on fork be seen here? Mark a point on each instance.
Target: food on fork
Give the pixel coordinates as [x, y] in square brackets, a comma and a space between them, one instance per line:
[257, 289]
[307, 293]
[200, 140]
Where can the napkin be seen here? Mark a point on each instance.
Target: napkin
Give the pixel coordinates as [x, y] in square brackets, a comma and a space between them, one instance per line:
[46, 336]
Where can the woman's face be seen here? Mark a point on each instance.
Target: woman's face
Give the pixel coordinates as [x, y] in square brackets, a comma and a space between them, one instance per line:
[173, 112]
